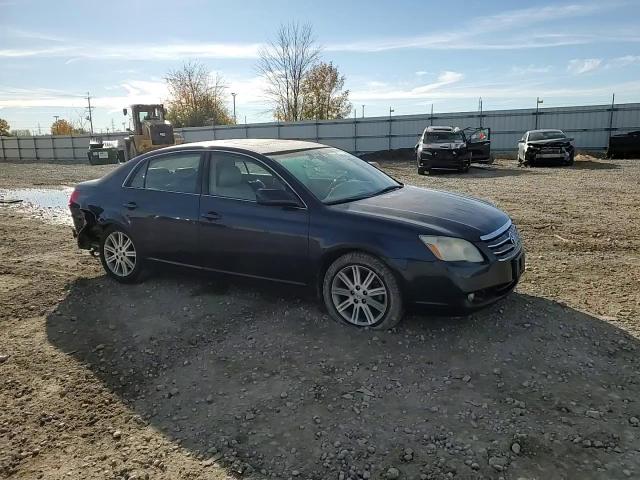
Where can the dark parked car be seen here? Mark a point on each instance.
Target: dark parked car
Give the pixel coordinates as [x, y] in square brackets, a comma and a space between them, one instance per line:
[546, 146]
[452, 148]
[624, 145]
[300, 213]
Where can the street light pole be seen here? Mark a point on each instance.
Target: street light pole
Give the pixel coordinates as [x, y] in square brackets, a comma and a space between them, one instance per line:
[391, 110]
[234, 107]
[538, 102]
[362, 111]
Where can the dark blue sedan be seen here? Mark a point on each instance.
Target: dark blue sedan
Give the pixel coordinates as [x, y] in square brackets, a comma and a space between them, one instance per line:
[301, 213]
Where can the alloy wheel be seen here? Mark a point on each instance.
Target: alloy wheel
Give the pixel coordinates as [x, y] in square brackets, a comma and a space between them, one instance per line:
[359, 295]
[119, 254]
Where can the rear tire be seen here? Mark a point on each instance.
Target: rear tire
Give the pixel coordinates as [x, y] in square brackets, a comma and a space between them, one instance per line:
[421, 171]
[119, 256]
[360, 290]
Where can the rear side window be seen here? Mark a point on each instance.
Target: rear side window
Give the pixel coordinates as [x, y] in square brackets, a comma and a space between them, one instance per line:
[138, 179]
[169, 173]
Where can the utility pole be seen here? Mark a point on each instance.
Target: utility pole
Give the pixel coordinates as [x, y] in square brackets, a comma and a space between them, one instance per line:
[39, 131]
[613, 105]
[234, 107]
[113, 126]
[432, 114]
[362, 111]
[90, 114]
[124, 126]
[480, 108]
[55, 125]
[538, 102]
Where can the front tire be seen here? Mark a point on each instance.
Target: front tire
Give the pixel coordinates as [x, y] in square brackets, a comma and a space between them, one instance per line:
[571, 160]
[119, 256]
[360, 290]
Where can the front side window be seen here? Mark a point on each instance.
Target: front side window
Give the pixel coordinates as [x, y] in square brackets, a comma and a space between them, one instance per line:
[334, 176]
[170, 173]
[238, 176]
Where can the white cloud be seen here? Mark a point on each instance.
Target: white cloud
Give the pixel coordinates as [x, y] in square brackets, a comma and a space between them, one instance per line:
[624, 61]
[474, 34]
[249, 91]
[176, 51]
[422, 91]
[131, 91]
[579, 66]
[497, 92]
[422, 73]
[530, 69]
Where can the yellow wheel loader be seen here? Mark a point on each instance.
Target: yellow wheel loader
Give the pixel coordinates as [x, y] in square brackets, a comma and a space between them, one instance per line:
[150, 131]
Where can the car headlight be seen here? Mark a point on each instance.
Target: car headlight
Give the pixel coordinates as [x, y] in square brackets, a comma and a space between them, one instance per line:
[450, 249]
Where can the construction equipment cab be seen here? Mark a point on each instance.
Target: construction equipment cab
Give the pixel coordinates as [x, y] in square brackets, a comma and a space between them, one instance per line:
[150, 130]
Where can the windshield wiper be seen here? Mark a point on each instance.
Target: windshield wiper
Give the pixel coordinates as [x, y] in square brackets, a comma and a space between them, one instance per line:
[367, 195]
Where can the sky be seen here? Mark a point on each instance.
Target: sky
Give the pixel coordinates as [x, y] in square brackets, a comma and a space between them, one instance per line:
[405, 55]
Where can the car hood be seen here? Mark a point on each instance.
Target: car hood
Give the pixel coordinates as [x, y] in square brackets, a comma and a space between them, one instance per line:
[433, 211]
[443, 146]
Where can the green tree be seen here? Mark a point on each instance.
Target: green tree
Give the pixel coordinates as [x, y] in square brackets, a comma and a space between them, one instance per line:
[324, 97]
[4, 128]
[196, 99]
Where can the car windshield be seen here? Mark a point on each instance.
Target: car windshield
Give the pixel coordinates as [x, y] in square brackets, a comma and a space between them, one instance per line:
[334, 176]
[550, 135]
[443, 137]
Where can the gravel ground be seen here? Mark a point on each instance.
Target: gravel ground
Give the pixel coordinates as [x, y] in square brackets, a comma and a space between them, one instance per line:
[200, 377]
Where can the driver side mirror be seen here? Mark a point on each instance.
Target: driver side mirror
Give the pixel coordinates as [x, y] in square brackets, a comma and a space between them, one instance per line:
[276, 197]
[124, 112]
[520, 141]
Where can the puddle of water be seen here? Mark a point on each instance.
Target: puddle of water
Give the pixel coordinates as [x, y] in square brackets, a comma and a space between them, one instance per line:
[47, 204]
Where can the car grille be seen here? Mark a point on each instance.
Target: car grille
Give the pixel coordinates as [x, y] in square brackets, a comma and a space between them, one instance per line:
[505, 244]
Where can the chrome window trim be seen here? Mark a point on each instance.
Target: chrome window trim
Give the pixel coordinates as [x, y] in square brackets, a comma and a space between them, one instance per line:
[135, 169]
[497, 232]
[261, 163]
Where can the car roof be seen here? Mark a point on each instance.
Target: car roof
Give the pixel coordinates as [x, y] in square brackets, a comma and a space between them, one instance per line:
[264, 146]
[440, 129]
[546, 130]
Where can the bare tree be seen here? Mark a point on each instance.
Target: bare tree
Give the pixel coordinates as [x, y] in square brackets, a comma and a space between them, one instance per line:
[196, 98]
[284, 63]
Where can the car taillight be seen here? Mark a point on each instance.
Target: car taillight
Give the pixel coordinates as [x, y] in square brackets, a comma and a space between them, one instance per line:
[74, 197]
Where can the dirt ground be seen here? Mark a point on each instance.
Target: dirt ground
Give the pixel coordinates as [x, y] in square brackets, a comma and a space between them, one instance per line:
[199, 377]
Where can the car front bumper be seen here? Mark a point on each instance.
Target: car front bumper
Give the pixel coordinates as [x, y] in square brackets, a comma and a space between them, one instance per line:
[445, 159]
[459, 288]
[561, 156]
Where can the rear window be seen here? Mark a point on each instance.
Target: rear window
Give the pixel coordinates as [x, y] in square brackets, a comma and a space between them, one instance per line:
[443, 137]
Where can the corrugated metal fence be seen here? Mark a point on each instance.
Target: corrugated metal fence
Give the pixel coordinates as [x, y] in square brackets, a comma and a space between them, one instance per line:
[590, 125]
